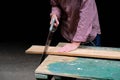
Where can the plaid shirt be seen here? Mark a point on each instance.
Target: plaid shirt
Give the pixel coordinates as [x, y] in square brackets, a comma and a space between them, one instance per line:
[78, 19]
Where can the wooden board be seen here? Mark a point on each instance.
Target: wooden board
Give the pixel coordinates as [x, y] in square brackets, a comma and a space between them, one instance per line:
[83, 51]
[81, 68]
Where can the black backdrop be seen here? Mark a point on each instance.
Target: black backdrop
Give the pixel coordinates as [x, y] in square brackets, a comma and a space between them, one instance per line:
[29, 21]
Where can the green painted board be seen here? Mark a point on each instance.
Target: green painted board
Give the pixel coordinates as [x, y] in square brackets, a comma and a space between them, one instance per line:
[78, 67]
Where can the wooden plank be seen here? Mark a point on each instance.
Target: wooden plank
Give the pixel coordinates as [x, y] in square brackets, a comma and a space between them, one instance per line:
[81, 68]
[83, 51]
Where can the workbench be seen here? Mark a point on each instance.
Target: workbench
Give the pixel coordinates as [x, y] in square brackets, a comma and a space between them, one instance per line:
[79, 67]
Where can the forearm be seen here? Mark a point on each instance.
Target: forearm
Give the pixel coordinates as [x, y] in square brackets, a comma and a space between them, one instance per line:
[84, 28]
[55, 9]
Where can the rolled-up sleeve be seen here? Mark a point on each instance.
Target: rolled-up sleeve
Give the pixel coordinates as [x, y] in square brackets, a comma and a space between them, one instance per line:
[87, 13]
[55, 9]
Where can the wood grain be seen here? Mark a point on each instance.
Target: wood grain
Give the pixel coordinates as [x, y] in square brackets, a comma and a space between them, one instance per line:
[83, 51]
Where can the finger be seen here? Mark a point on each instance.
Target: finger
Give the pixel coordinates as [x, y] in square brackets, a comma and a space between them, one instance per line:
[57, 22]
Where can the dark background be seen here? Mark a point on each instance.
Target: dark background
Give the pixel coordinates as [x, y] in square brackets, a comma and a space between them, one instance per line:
[24, 23]
[28, 21]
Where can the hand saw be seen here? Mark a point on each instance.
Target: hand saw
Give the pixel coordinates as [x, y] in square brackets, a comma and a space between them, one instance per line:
[52, 29]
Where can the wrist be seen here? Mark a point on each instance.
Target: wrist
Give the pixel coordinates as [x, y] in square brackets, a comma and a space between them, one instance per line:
[76, 43]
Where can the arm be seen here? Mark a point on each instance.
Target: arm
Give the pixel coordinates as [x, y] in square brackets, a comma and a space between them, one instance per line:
[87, 13]
[55, 12]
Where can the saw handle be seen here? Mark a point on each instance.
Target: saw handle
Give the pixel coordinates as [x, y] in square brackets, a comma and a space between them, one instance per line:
[52, 28]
